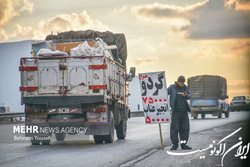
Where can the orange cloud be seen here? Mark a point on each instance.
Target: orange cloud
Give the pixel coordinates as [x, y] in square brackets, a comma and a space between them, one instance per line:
[145, 61]
[239, 91]
[3, 34]
[211, 19]
[13, 8]
[157, 10]
[59, 23]
[238, 83]
[238, 87]
[241, 46]
[239, 4]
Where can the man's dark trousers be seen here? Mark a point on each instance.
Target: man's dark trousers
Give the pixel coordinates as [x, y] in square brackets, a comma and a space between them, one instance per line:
[179, 124]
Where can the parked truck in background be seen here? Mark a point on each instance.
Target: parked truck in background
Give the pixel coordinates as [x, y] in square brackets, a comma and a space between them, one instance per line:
[77, 90]
[208, 96]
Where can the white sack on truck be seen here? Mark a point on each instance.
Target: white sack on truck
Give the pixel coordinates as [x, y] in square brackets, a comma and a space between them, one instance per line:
[84, 49]
[110, 38]
[48, 53]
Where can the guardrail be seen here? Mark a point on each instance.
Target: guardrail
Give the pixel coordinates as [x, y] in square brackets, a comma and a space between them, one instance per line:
[137, 114]
[21, 114]
[12, 115]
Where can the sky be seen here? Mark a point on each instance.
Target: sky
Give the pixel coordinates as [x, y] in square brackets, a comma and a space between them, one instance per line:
[180, 37]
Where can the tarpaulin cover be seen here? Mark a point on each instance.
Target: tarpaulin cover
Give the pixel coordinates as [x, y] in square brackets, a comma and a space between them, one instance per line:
[108, 37]
[208, 86]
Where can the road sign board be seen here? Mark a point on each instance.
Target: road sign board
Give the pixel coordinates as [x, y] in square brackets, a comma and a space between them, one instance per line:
[154, 97]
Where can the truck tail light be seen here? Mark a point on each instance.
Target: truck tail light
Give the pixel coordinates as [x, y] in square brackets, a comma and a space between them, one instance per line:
[32, 88]
[97, 86]
[104, 66]
[31, 68]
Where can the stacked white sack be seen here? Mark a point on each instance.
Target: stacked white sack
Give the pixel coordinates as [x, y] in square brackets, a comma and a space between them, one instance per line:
[48, 52]
[84, 49]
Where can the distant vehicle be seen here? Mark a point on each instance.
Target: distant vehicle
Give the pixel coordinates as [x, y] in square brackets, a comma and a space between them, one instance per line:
[240, 103]
[208, 96]
[4, 109]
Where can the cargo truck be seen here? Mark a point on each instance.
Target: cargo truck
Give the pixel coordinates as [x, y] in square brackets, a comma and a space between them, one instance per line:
[64, 87]
[208, 96]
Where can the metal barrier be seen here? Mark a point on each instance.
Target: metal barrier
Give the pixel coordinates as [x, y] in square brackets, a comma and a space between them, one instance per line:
[22, 114]
[12, 115]
[137, 114]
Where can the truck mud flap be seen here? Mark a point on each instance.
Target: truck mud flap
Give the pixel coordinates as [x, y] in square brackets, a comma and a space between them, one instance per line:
[98, 130]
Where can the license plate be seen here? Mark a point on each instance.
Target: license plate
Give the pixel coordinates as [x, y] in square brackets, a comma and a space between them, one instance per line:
[63, 110]
[204, 108]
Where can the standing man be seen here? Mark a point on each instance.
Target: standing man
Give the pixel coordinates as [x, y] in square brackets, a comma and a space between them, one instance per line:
[179, 94]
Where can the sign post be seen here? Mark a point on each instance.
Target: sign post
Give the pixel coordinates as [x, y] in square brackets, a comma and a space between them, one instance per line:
[155, 99]
[162, 145]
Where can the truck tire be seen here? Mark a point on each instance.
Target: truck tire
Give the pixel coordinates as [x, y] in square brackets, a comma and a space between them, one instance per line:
[98, 139]
[196, 117]
[34, 141]
[121, 129]
[203, 115]
[110, 138]
[60, 136]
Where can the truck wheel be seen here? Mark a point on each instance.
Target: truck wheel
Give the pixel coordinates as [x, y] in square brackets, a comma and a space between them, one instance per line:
[110, 138]
[196, 117]
[60, 136]
[203, 115]
[121, 130]
[98, 139]
[34, 141]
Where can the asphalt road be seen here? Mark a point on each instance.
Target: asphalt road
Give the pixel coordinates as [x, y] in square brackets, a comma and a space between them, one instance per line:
[199, 141]
[80, 150]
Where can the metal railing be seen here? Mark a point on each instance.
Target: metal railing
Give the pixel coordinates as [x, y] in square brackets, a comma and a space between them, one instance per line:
[12, 115]
[137, 114]
[22, 114]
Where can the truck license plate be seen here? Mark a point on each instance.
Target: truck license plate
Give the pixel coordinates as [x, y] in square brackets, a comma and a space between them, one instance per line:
[63, 110]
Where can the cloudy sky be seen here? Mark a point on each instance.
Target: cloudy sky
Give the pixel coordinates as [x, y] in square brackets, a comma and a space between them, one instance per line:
[181, 37]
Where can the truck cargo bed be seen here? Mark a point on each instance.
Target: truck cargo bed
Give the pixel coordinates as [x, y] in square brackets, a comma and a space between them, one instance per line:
[73, 79]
